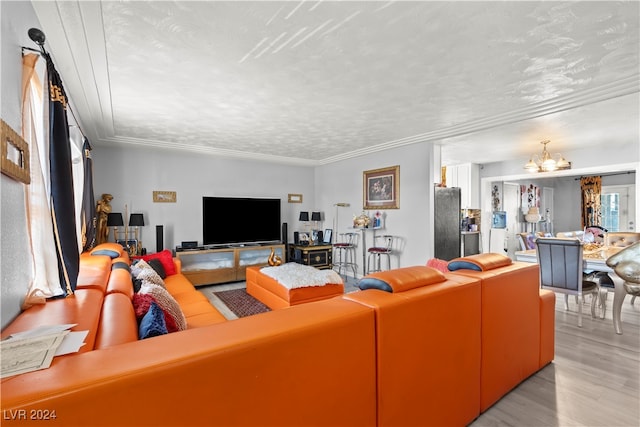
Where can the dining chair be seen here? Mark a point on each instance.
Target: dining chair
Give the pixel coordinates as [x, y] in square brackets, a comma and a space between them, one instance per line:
[561, 270]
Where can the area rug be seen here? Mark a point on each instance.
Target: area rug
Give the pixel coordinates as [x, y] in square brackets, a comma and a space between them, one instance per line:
[241, 303]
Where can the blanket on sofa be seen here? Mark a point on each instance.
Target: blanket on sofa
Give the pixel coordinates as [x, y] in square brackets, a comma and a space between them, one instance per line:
[293, 275]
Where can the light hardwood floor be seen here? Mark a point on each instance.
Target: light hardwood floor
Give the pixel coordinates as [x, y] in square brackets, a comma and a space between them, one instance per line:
[594, 380]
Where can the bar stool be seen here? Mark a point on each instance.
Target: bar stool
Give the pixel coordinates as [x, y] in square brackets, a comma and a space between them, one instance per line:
[345, 253]
[377, 251]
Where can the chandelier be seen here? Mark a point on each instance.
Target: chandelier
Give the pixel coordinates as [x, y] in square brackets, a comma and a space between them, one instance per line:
[546, 162]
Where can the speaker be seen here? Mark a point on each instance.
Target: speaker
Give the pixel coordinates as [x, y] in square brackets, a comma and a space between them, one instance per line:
[296, 237]
[285, 233]
[159, 238]
[320, 236]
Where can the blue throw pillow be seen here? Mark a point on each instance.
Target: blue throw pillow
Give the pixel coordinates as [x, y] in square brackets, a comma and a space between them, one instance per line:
[152, 324]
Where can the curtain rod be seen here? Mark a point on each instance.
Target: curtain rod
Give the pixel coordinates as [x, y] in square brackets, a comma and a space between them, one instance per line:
[43, 52]
[606, 174]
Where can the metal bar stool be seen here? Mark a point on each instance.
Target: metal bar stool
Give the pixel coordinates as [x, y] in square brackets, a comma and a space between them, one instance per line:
[384, 248]
[345, 253]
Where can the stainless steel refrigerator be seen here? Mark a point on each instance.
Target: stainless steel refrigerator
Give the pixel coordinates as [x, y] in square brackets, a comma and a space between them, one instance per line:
[447, 223]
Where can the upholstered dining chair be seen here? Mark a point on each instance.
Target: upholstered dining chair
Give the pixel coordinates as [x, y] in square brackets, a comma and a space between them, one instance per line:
[561, 270]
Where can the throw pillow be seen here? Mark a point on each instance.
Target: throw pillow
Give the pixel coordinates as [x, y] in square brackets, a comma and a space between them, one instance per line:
[152, 323]
[438, 264]
[165, 257]
[166, 301]
[156, 264]
[141, 305]
[143, 271]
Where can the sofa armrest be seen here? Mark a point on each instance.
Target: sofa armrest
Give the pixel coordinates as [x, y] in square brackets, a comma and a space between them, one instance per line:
[178, 264]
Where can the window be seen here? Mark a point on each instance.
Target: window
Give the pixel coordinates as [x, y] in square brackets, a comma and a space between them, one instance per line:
[616, 204]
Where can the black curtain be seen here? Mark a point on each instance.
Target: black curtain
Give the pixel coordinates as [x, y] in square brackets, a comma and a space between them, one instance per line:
[62, 198]
[89, 220]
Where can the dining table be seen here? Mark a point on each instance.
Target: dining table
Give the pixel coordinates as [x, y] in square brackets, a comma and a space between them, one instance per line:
[594, 259]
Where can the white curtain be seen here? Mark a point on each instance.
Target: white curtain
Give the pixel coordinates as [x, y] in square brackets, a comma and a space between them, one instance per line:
[77, 154]
[46, 282]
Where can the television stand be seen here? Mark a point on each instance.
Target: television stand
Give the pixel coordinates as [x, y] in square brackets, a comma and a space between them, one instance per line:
[225, 264]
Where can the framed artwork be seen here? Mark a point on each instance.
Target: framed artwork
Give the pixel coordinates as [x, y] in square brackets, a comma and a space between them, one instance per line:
[303, 236]
[131, 245]
[381, 188]
[15, 154]
[326, 236]
[295, 198]
[164, 196]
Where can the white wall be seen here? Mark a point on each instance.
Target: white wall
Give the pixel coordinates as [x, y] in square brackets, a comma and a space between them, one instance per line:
[341, 182]
[131, 174]
[16, 19]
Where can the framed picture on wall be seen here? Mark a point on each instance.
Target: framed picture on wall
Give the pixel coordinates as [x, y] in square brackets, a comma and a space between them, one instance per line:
[131, 245]
[381, 188]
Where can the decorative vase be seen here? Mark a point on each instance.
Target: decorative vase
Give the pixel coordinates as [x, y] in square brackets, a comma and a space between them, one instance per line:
[361, 221]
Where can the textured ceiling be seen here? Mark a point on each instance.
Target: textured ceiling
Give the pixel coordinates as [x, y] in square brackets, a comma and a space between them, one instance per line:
[313, 82]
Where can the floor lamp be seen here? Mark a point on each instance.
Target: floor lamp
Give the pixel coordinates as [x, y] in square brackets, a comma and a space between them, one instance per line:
[335, 218]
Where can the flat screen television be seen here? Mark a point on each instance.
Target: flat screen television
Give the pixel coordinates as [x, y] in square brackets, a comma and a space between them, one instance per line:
[240, 220]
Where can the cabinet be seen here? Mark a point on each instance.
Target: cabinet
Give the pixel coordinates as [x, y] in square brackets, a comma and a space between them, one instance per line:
[318, 256]
[211, 266]
[467, 178]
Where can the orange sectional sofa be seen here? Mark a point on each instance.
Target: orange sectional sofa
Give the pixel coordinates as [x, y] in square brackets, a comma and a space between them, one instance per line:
[411, 354]
[450, 346]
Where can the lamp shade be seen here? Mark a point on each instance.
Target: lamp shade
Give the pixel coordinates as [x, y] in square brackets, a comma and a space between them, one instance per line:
[115, 220]
[315, 216]
[136, 220]
[304, 216]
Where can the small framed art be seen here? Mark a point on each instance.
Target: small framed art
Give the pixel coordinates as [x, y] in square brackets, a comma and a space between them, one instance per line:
[294, 198]
[164, 196]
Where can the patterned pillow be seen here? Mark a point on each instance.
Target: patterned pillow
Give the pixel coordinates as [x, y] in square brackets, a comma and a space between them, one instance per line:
[152, 323]
[166, 301]
[143, 271]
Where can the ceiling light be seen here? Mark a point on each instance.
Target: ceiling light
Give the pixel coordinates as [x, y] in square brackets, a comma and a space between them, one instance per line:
[546, 162]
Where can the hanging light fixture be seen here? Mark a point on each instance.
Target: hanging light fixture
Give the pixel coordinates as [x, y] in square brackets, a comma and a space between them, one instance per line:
[546, 162]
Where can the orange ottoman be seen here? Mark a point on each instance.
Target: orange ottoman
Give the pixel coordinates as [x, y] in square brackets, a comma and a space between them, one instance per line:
[285, 285]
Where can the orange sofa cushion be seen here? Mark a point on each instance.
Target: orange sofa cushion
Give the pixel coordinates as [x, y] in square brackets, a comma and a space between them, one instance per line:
[402, 279]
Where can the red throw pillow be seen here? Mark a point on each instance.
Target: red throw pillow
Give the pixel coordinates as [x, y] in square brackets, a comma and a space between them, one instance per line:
[165, 257]
[438, 264]
[142, 303]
